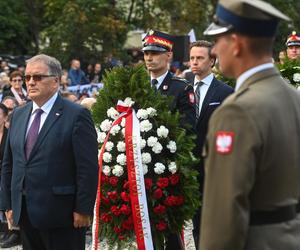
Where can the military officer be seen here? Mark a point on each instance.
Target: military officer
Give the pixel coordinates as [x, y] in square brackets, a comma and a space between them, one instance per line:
[157, 48]
[293, 46]
[252, 155]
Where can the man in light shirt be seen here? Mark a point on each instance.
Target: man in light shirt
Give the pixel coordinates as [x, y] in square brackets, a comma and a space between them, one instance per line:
[49, 170]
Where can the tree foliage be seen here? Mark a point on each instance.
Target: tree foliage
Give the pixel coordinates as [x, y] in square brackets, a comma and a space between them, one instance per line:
[90, 29]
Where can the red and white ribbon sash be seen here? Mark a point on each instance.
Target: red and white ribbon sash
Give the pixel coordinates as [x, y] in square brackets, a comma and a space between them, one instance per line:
[136, 181]
[136, 184]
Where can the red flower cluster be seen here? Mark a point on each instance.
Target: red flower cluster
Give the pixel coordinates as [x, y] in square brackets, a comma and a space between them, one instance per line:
[173, 200]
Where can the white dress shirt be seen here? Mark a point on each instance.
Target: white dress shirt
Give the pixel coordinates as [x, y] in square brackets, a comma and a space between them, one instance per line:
[243, 77]
[46, 108]
[160, 79]
[204, 88]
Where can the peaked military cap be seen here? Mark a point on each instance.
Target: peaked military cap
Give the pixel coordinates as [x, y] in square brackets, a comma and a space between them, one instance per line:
[157, 41]
[293, 39]
[250, 17]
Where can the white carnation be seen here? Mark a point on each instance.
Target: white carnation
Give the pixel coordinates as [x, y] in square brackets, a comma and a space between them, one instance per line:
[159, 168]
[143, 143]
[107, 157]
[101, 137]
[115, 129]
[106, 170]
[128, 102]
[296, 77]
[172, 146]
[151, 112]
[146, 158]
[123, 122]
[145, 169]
[112, 113]
[121, 146]
[142, 114]
[157, 148]
[145, 126]
[162, 132]
[172, 167]
[121, 159]
[106, 125]
[118, 170]
[123, 132]
[152, 141]
[109, 146]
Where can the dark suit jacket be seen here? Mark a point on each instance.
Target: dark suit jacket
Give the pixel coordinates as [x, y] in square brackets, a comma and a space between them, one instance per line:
[181, 90]
[60, 176]
[215, 95]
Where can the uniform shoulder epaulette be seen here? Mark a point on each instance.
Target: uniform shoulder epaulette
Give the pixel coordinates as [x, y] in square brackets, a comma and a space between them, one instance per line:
[180, 79]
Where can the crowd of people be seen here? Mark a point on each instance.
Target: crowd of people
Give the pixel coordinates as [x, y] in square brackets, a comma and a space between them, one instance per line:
[248, 172]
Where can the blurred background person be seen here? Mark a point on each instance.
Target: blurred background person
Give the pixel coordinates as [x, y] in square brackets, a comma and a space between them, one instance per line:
[76, 75]
[97, 75]
[10, 102]
[16, 90]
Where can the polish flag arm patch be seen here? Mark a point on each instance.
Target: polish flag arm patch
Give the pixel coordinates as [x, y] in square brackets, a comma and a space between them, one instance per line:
[224, 142]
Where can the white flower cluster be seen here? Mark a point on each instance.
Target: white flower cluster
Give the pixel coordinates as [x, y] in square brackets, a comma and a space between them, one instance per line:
[114, 157]
[112, 113]
[296, 77]
[162, 132]
[159, 168]
[145, 126]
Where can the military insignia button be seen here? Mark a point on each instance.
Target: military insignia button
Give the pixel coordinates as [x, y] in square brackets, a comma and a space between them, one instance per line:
[151, 32]
[224, 142]
[165, 87]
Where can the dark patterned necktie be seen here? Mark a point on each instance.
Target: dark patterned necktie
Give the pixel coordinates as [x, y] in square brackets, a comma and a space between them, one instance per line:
[154, 83]
[33, 132]
[197, 95]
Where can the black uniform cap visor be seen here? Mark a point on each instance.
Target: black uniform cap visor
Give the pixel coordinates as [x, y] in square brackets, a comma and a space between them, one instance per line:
[154, 48]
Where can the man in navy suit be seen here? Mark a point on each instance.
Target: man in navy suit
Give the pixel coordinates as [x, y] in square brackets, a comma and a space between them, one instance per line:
[49, 171]
[157, 48]
[209, 93]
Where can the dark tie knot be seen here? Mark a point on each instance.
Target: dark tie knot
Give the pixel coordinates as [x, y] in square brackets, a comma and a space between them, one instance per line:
[38, 112]
[199, 84]
[154, 83]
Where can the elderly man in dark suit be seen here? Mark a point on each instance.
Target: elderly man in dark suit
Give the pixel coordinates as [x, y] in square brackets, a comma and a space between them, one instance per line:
[49, 171]
[209, 93]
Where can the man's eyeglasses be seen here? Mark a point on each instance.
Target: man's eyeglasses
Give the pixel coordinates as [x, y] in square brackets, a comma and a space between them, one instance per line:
[36, 78]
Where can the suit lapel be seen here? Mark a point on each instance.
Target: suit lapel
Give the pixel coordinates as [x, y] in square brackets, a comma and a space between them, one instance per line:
[53, 116]
[23, 126]
[164, 87]
[210, 92]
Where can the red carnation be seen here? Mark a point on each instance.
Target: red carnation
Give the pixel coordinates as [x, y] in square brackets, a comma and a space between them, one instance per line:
[127, 224]
[115, 210]
[126, 184]
[104, 199]
[118, 230]
[105, 217]
[104, 179]
[124, 209]
[112, 195]
[161, 226]
[113, 181]
[160, 209]
[157, 194]
[148, 183]
[125, 196]
[170, 200]
[162, 182]
[174, 179]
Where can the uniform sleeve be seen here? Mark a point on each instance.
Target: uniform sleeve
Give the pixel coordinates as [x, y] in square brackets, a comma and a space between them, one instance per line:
[233, 144]
[86, 153]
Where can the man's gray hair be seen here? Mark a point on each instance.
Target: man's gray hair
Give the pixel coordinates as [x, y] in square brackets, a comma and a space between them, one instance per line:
[52, 63]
